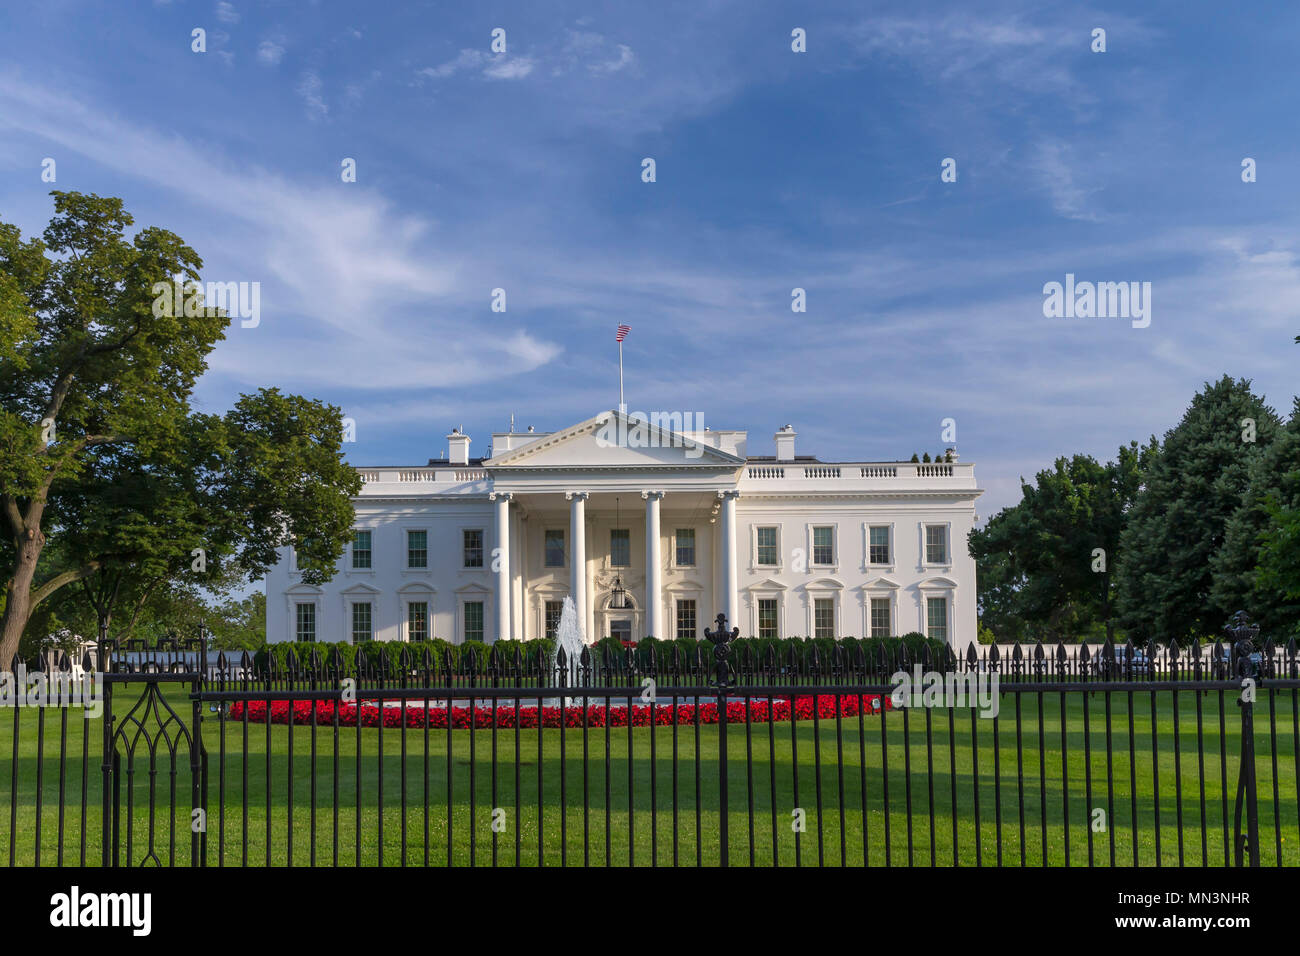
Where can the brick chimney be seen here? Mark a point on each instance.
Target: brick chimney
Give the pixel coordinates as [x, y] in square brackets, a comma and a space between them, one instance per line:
[785, 443]
[458, 447]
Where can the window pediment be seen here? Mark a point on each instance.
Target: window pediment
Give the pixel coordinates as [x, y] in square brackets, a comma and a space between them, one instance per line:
[881, 583]
[417, 587]
[824, 584]
[937, 583]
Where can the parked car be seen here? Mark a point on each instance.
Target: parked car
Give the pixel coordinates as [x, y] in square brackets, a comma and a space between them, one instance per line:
[1120, 667]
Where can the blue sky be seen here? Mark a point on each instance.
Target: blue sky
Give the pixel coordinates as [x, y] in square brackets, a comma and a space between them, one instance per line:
[775, 170]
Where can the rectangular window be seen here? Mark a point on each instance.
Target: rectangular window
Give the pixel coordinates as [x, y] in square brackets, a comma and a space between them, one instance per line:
[473, 620]
[686, 619]
[878, 545]
[936, 544]
[823, 617]
[823, 545]
[880, 623]
[417, 621]
[767, 617]
[766, 546]
[361, 622]
[620, 548]
[685, 548]
[361, 549]
[306, 617]
[473, 547]
[936, 618]
[553, 611]
[417, 549]
[555, 547]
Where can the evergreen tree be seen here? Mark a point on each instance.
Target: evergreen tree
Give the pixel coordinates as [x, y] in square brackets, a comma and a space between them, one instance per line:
[1251, 570]
[1192, 488]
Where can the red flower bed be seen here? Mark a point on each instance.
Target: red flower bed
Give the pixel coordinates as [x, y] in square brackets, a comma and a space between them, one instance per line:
[597, 715]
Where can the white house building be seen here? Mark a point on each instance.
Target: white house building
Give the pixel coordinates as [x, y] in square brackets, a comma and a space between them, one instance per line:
[652, 528]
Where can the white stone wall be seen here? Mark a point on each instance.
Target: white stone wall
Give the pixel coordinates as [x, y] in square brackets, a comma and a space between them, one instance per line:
[850, 580]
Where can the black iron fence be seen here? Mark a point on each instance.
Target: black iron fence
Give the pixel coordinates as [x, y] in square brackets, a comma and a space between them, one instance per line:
[1133, 756]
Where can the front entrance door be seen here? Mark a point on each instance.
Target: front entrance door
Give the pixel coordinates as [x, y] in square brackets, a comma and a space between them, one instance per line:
[621, 628]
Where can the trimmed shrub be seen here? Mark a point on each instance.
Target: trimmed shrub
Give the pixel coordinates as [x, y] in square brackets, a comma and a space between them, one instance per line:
[473, 655]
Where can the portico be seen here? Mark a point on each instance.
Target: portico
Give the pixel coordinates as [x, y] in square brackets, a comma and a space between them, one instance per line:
[617, 497]
[659, 546]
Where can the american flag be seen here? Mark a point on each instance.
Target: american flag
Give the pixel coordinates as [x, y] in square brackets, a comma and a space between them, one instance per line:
[623, 330]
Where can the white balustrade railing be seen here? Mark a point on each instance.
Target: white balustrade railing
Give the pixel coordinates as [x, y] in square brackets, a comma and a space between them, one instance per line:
[934, 471]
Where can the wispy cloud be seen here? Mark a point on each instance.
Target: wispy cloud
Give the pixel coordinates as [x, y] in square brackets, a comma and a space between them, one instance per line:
[310, 90]
[270, 52]
[364, 280]
[513, 68]
[495, 66]
[1058, 176]
[590, 51]
[227, 13]
[622, 61]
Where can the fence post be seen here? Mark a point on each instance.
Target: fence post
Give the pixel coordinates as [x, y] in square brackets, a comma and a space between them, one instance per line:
[721, 638]
[106, 766]
[198, 759]
[1247, 662]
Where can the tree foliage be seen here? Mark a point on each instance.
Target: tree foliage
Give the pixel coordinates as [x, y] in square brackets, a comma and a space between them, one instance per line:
[101, 451]
[1045, 564]
[1258, 566]
[1193, 486]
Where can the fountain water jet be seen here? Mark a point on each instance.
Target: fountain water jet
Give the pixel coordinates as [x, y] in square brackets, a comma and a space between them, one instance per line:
[569, 638]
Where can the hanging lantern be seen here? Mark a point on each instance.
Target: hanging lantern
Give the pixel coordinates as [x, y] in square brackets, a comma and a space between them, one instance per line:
[618, 594]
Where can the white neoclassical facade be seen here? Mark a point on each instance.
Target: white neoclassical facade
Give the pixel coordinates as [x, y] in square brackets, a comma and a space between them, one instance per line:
[652, 529]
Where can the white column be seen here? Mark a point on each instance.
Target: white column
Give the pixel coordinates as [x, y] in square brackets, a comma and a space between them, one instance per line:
[578, 555]
[730, 572]
[653, 572]
[502, 561]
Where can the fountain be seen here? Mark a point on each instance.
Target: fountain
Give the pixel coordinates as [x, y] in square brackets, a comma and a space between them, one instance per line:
[569, 638]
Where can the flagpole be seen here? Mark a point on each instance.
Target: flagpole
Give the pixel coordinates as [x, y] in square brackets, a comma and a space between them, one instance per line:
[622, 407]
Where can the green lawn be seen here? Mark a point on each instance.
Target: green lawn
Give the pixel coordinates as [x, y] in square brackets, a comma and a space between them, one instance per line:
[1032, 799]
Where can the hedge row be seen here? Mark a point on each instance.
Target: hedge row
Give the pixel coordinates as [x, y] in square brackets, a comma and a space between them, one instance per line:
[461, 654]
[757, 648]
[473, 655]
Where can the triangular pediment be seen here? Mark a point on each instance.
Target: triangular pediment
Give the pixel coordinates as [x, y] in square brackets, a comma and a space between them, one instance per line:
[880, 583]
[615, 440]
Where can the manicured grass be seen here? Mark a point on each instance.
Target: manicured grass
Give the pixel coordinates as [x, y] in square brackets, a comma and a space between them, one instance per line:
[1032, 797]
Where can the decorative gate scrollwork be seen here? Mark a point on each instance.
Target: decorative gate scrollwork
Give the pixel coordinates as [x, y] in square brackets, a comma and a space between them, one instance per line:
[151, 738]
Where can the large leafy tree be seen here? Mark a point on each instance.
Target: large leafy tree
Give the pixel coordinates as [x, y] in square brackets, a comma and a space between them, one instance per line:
[1045, 565]
[98, 443]
[1258, 567]
[1192, 488]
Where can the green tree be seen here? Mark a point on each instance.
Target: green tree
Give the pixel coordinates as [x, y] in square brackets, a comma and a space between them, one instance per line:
[1256, 570]
[1194, 484]
[1279, 560]
[98, 443]
[239, 625]
[1044, 566]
